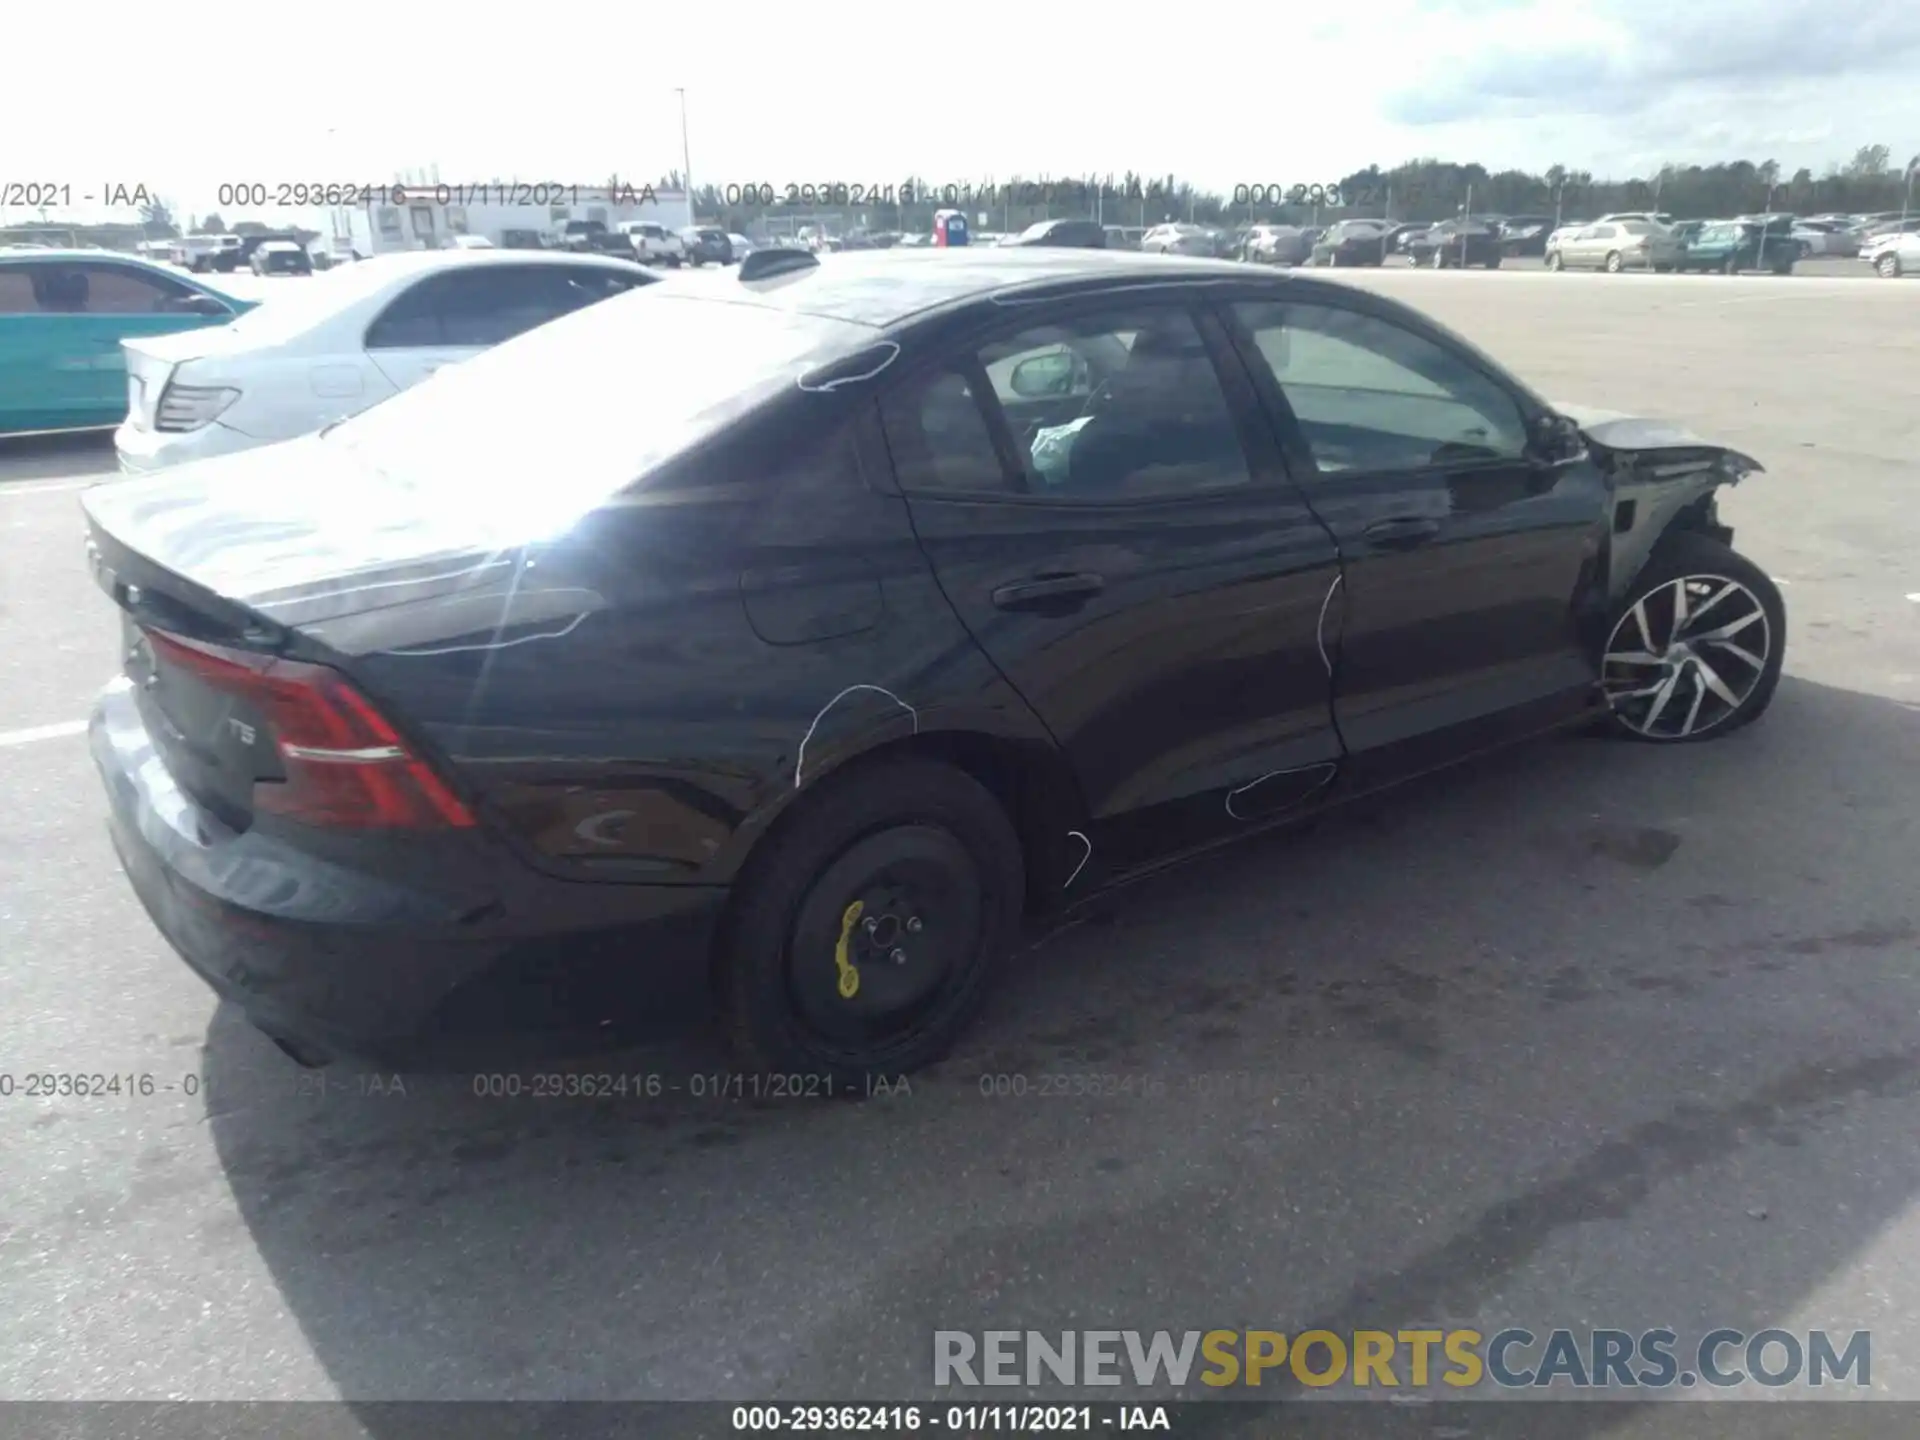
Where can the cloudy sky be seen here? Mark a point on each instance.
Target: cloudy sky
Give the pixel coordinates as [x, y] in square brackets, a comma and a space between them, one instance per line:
[855, 92]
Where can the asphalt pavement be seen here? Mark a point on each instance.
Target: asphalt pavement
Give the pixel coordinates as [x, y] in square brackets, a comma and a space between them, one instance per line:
[1585, 1034]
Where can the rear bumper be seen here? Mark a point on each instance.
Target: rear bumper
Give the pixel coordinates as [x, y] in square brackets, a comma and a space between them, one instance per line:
[142, 452]
[347, 962]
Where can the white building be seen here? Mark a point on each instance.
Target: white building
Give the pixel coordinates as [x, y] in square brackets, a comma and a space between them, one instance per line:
[424, 215]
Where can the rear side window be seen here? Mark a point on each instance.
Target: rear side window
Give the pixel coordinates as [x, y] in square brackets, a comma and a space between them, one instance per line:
[940, 439]
[1111, 406]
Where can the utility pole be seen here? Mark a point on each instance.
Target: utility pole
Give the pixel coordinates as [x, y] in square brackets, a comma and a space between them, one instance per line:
[686, 155]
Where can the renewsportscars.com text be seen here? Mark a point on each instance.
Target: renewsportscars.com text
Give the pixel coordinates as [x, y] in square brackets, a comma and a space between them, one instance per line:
[1511, 1358]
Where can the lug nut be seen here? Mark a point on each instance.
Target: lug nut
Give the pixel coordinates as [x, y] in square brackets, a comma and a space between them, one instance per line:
[913, 925]
[899, 957]
[872, 924]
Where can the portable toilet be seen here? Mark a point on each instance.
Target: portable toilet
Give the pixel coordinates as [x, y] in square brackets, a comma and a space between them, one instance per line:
[950, 227]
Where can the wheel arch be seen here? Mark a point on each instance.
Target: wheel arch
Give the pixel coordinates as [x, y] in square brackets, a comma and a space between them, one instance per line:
[1648, 509]
[1030, 780]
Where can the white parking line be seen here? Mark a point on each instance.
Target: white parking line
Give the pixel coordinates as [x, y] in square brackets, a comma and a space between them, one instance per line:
[42, 732]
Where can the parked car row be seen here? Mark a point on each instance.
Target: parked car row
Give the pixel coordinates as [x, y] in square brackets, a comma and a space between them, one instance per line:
[61, 308]
[90, 339]
[1771, 242]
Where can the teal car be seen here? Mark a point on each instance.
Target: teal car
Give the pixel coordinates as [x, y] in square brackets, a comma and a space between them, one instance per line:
[1730, 246]
[63, 314]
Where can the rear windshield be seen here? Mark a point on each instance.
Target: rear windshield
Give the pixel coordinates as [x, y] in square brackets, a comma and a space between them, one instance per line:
[543, 428]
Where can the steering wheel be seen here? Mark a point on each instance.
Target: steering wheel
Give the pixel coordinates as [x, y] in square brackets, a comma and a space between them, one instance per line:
[1095, 397]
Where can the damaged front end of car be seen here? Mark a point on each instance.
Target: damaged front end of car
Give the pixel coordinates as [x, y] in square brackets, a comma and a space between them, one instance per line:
[1663, 479]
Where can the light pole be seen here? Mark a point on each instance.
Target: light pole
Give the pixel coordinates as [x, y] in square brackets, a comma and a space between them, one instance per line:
[686, 155]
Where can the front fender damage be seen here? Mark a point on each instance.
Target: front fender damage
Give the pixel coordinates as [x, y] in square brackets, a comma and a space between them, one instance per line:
[1661, 476]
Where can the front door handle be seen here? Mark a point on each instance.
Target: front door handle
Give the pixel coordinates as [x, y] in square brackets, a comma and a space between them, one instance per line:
[1402, 533]
[1048, 590]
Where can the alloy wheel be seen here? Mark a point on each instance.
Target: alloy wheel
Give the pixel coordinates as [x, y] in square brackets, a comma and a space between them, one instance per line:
[1686, 656]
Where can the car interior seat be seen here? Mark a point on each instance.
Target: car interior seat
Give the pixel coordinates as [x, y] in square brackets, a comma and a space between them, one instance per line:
[1162, 411]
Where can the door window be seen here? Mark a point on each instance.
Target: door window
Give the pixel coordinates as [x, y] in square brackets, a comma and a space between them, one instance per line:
[940, 440]
[88, 288]
[1114, 406]
[576, 288]
[1371, 396]
[484, 305]
[17, 290]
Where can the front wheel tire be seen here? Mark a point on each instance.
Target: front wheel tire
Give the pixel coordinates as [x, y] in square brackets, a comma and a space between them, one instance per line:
[1555, 263]
[1615, 264]
[862, 943]
[1695, 649]
[1888, 267]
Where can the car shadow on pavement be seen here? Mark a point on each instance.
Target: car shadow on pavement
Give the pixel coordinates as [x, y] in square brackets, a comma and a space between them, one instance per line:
[80, 454]
[1589, 1034]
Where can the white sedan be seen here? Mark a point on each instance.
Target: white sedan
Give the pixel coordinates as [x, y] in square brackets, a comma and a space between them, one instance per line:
[349, 338]
[1893, 255]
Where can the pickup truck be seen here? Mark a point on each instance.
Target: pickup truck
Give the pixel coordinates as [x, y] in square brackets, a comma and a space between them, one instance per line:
[593, 237]
[653, 244]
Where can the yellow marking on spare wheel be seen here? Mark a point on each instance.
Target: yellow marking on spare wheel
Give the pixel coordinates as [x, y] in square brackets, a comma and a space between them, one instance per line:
[849, 972]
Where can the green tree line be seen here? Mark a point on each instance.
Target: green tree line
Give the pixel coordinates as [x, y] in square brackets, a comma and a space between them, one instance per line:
[1420, 189]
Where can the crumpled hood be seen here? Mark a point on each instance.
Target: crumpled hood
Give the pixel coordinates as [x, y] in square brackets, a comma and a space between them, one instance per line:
[1615, 430]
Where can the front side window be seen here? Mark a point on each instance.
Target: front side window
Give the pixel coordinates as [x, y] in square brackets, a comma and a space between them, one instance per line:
[94, 289]
[1119, 406]
[18, 292]
[1371, 396]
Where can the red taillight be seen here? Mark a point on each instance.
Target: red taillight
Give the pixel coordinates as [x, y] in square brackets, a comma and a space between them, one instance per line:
[345, 765]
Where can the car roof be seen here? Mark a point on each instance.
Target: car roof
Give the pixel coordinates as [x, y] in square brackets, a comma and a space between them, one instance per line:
[71, 252]
[882, 288]
[409, 262]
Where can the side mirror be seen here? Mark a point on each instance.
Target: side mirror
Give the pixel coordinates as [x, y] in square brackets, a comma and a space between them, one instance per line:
[1556, 438]
[201, 305]
[1044, 376]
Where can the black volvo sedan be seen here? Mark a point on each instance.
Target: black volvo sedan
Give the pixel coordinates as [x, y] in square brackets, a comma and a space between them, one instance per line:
[782, 641]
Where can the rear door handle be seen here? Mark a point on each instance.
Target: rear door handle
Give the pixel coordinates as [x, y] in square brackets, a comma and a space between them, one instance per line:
[1047, 589]
[1402, 533]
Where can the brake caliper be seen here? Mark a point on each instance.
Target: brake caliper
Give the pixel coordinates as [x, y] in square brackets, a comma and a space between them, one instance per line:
[849, 972]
